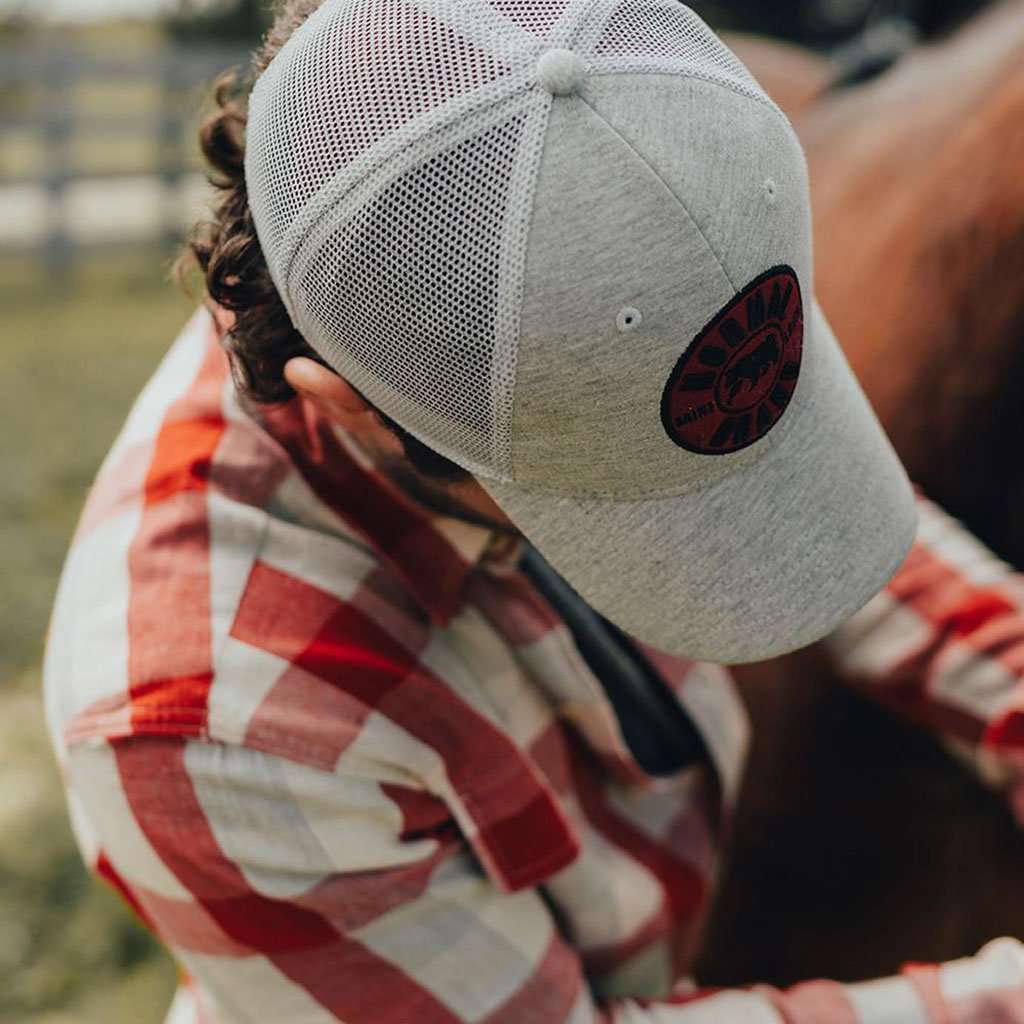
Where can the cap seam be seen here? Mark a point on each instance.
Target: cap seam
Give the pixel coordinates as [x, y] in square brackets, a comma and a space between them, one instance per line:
[763, 100]
[469, 18]
[377, 165]
[591, 25]
[520, 269]
[667, 187]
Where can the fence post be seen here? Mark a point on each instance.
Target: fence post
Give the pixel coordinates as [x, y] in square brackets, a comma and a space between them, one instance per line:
[58, 132]
[171, 156]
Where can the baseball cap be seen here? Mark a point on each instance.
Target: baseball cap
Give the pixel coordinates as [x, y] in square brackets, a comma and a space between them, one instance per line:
[567, 244]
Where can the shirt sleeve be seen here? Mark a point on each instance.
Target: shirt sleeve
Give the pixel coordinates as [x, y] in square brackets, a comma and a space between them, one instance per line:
[943, 646]
[289, 893]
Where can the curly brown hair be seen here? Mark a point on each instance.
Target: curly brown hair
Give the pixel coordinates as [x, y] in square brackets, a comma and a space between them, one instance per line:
[227, 251]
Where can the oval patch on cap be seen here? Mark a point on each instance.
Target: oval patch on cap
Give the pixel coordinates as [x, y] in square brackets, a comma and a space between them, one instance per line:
[734, 382]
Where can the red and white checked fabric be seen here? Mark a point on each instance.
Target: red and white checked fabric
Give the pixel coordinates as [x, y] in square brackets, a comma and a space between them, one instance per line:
[348, 764]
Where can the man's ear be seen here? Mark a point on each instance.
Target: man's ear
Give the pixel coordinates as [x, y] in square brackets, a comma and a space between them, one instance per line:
[331, 393]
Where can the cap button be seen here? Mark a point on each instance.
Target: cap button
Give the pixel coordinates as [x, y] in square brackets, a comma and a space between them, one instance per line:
[561, 72]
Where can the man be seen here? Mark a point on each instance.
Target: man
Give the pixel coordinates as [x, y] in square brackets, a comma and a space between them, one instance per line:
[371, 668]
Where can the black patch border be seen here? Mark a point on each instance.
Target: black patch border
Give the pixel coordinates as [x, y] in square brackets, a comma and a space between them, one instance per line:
[681, 362]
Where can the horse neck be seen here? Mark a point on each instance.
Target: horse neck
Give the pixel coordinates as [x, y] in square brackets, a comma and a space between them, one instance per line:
[919, 217]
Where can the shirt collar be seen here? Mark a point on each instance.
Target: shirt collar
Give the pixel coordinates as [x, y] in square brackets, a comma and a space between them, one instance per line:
[442, 552]
[433, 554]
[436, 563]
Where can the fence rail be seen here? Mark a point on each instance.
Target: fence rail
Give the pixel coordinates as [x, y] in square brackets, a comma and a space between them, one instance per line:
[40, 113]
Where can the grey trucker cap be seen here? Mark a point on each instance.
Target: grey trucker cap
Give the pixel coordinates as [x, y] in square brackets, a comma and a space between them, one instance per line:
[567, 244]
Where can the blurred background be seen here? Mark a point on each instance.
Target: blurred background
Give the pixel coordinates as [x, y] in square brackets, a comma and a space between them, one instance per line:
[99, 181]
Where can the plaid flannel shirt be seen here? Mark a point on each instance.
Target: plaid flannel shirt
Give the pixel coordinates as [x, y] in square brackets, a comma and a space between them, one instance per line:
[344, 759]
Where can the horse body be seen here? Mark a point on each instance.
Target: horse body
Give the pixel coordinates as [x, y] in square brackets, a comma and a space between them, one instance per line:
[918, 190]
[860, 844]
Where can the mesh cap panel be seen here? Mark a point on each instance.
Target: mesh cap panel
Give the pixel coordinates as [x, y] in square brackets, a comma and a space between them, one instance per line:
[538, 18]
[664, 35]
[356, 75]
[405, 297]
[391, 159]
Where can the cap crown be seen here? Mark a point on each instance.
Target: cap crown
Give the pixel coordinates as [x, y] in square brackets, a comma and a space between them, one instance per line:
[393, 158]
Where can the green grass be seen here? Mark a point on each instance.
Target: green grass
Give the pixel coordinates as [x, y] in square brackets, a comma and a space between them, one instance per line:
[71, 362]
[72, 359]
[69, 950]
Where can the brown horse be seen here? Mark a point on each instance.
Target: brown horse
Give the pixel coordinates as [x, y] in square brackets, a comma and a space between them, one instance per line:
[860, 843]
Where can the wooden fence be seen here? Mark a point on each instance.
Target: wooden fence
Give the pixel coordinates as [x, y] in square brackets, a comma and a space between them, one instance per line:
[38, 91]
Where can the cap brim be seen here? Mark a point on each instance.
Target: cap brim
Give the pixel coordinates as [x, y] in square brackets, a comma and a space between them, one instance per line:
[765, 561]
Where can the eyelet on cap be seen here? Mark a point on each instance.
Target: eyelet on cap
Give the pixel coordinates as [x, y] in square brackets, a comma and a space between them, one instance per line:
[629, 319]
[561, 72]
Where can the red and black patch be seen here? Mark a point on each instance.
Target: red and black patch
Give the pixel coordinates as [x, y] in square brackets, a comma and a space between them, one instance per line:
[732, 385]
